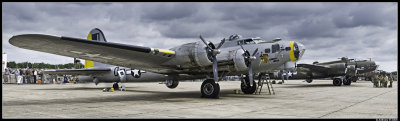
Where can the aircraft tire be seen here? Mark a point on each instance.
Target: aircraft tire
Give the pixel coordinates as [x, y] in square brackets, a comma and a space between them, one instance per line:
[247, 89]
[347, 81]
[308, 80]
[337, 82]
[210, 89]
[173, 85]
[115, 86]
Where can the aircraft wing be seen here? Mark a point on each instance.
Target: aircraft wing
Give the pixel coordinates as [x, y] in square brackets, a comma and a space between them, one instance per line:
[137, 57]
[314, 68]
[94, 71]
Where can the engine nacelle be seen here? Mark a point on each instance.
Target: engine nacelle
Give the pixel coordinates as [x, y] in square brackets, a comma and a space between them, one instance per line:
[190, 55]
[239, 61]
[339, 68]
[351, 70]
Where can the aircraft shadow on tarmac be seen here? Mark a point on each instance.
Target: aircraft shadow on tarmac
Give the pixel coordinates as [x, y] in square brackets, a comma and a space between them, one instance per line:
[166, 94]
[315, 85]
[156, 96]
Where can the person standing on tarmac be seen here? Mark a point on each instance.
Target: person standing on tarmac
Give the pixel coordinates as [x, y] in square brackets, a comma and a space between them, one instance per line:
[28, 75]
[390, 81]
[34, 72]
[376, 80]
[16, 74]
[40, 73]
[382, 80]
[22, 73]
[6, 75]
[386, 81]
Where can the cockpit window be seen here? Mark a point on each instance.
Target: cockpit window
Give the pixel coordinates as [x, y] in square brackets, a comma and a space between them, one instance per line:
[275, 48]
[246, 41]
[240, 42]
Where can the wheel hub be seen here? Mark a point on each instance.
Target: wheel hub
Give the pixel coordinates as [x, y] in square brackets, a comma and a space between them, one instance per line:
[208, 89]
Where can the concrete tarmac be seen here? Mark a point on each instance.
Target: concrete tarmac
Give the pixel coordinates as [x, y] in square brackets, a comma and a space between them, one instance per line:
[293, 99]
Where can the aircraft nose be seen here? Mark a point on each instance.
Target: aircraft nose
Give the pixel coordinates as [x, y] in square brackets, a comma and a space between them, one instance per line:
[299, 50]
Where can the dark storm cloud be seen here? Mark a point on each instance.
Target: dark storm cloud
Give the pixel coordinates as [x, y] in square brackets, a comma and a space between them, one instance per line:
[328, 30]
[167, 12]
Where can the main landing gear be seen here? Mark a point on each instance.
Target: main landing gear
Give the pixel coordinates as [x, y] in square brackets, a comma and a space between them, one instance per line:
[338, 81]
[347, 80]
[171, 83]
[246, 87]
[210, 89]
[115, 86]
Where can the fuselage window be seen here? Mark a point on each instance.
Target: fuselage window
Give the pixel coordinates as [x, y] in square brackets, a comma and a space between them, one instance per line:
[275, 48]
[267, 50]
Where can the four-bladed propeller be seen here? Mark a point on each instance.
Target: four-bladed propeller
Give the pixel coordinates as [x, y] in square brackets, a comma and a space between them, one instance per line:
[248, 59]
[212, 51]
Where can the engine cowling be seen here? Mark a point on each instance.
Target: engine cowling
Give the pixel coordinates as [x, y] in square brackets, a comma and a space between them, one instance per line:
[191, 55]
[339, 68]
[351, 70]
[239, 61]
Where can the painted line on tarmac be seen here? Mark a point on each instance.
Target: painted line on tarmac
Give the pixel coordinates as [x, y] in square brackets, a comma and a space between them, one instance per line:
[357, 103]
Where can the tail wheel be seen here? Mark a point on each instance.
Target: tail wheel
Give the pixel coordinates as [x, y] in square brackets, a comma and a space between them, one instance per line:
[247, 89]
[210, 89]
[337, 82]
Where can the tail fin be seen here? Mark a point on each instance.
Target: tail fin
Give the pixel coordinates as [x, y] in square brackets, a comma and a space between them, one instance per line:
[96, 35]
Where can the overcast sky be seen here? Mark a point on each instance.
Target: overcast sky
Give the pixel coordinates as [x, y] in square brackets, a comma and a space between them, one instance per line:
[328, 30]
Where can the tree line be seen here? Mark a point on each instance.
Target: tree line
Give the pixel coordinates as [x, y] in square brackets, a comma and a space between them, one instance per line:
[13, 64]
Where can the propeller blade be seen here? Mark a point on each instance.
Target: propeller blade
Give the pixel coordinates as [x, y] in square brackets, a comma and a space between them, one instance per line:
[255, 52]
[204, 42]
[242, 47]
[287, 74]
[215, 69]
[355, 72]
[220, 44]
[250, 74]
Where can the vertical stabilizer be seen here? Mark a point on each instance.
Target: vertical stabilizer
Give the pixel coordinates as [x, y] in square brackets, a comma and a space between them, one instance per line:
[95, 35]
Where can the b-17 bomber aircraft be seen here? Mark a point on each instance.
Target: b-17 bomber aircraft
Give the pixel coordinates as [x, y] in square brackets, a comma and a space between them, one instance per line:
[195, 60]
[342, 71]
